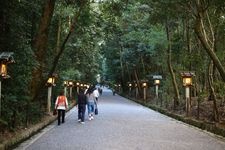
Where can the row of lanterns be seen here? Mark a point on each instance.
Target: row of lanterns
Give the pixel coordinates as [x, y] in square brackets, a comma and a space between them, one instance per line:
[186, 79]
[67, 83]
[7, 58]
[144, 84]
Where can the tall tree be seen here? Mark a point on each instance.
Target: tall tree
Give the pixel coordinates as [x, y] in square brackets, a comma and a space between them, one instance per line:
[207, 38]
[40, 46]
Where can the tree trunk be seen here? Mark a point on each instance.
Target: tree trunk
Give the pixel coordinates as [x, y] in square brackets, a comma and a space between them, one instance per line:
[75, 21]
[200, 32]
[128, 72]
[143, 65]
[121, 63]
[212, 92]
[58, 36]
[40, 45]
[137, 81]
[177, 95]
[62, 48]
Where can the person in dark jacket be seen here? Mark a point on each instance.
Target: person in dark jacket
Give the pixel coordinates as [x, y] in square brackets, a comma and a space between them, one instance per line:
[81, 102]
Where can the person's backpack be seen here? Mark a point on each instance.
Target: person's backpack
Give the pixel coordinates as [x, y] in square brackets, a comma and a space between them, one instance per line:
[61, 101]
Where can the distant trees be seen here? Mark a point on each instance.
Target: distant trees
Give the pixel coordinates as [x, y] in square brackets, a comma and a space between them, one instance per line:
[167, 37]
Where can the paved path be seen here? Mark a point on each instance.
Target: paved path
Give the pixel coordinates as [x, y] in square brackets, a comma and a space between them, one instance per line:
[122, 125]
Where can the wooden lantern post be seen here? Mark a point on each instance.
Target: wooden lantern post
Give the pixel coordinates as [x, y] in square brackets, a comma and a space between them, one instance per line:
[144, 85]
[50, 83]
[187, 83]
[5, 59]
[157, 79]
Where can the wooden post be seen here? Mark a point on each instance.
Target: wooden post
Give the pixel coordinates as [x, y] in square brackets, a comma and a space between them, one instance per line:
[157, 91]
[187, 95]
[136, 91]
[71, 88]
[49, 99]
[0, 97]
[145, 94]
[65, 91]
[78, 89]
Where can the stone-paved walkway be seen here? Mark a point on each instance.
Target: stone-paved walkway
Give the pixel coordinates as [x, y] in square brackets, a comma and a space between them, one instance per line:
[122, 125]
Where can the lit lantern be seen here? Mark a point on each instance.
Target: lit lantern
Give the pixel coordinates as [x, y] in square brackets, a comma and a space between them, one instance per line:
[119, 85]
[157, 79]
[51, 80]
[70, 83]
[157, 82]
[78, 84]
[50, 83]
[65, 83]
[130, 85]
[144, 84]
[187, 81]
[187, 78]
[3, 70]
[5, 58]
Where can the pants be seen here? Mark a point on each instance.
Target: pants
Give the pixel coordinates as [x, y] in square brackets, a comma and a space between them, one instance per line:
[61, 114]
[91, 107]
[81, 112]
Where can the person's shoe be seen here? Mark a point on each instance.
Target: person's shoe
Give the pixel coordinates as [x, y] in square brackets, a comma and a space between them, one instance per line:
[82, 122]
[92, 118]
[89, 118]
[79, 120]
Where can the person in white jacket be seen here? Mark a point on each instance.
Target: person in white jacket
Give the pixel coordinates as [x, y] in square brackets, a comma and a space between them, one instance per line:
[96, 94]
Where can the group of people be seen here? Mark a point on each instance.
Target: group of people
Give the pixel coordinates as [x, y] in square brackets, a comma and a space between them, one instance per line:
[88, 97]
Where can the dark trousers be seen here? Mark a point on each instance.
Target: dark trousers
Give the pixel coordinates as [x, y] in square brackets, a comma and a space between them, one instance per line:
[81, 111]
[61, 114]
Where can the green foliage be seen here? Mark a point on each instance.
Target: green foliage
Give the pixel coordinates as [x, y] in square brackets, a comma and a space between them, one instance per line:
[71, 74]
[113, 38]
[15, 90]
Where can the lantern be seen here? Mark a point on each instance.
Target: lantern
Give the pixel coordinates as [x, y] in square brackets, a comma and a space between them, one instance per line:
[70, 83]
[144, 84]
[187, 81]
[51, 81]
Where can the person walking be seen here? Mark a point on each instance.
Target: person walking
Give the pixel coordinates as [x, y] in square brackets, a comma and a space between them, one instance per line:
[91, 103]
[96, 94]
[100, 91]
[81, 102]
[61, 105]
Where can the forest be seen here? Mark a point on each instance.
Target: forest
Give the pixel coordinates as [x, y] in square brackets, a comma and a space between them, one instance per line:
[123, 41]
